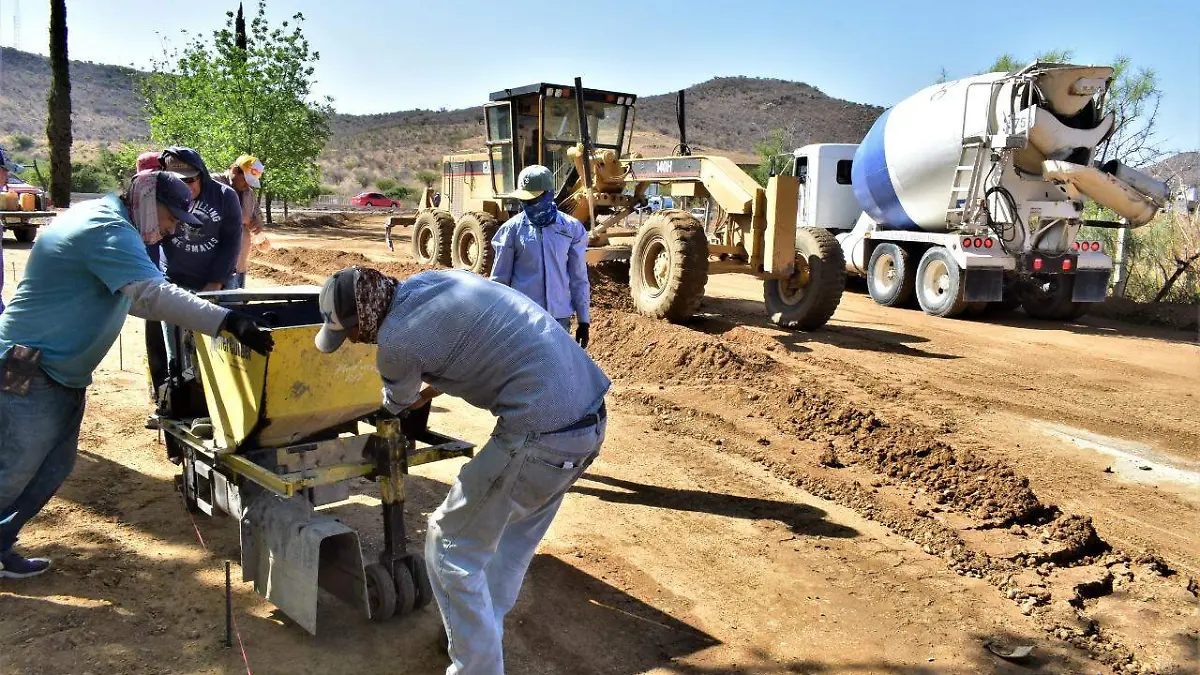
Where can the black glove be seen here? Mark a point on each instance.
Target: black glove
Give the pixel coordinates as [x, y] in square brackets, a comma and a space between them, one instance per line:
[583, 334]
[248, 332]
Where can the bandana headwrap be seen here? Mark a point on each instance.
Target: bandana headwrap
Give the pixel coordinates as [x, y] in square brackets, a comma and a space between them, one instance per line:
[541, 211]
[143, 206]
[373, 294]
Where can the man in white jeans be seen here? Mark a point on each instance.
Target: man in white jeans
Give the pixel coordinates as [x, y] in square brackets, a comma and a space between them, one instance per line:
[494, 348]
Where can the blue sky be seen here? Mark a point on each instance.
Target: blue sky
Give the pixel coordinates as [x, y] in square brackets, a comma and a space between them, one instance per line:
[386, 56]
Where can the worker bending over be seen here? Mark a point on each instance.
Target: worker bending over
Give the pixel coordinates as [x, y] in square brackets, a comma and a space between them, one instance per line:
[542, 252]
[492, 347]
[84, 274]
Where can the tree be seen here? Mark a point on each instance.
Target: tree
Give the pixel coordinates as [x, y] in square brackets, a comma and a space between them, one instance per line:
[1133, 98]
[428, 178]
[769, 150]
[1007, 63]
[225, 99]
[58, 119]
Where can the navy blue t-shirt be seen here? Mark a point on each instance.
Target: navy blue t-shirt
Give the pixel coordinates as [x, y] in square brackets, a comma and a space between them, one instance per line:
[196, 256]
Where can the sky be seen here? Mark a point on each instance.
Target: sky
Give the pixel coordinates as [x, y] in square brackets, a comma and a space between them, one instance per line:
[387, 56]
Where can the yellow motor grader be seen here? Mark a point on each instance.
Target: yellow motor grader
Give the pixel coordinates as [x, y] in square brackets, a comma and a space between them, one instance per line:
[583, 137]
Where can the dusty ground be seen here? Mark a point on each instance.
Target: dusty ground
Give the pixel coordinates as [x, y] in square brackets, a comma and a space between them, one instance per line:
[887, 495]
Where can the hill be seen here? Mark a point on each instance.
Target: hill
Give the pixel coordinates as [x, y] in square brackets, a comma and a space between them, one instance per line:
[1181, 170]
[726, 115]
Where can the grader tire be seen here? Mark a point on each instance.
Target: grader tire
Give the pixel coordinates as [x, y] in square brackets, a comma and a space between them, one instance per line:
[471, 247]
[669, 266]
[808, 304]
[431, 237]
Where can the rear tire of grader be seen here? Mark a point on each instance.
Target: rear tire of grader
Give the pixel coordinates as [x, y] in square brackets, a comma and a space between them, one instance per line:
[471, 247]
[431, 237]
[669, 266]
[808, 299]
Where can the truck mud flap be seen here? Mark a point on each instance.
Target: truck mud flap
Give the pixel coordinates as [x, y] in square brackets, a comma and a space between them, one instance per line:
[1090, 286]
[289, 551]
[983, 285]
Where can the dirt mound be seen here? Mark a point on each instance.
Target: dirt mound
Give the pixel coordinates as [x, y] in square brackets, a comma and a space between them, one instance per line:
[610, 286]
[1168, 314]
[323, 262]
[637, 348]
[314, 221]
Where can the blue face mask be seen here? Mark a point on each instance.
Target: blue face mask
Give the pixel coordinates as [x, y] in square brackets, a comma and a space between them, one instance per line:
[541, 211]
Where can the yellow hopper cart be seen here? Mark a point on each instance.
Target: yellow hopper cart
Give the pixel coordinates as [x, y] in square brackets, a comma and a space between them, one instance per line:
[271, 437]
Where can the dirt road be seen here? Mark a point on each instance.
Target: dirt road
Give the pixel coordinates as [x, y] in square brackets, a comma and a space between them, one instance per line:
[884, 496]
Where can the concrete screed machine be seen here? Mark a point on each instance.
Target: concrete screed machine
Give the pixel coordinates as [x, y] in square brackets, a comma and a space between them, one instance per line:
[971, 192]
[278, 442]
[583, 137]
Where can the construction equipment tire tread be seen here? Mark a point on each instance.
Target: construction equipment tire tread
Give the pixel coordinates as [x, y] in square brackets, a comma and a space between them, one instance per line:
[440, 227]
[686, 254]
[482, 227]
[827, 282]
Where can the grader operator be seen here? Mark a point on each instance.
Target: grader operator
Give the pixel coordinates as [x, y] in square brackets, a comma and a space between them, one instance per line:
[583, 136]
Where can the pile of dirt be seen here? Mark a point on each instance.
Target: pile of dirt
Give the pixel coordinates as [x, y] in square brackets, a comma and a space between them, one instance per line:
[637, 348]
[610, 286]
[986, 489]
[313, 221]
[1168, 314]
[324, 262]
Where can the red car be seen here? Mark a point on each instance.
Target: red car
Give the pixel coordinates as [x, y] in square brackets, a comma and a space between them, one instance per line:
[374, 199]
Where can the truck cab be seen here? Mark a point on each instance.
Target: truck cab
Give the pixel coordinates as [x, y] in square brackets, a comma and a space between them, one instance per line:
[826, 195]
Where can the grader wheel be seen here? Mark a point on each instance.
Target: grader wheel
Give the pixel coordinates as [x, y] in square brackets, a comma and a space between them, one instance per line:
[431, 238]
[472, 243]
[807, 299]
[669, 266]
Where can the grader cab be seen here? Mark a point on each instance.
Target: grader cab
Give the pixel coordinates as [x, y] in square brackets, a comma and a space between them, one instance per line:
[583, 136]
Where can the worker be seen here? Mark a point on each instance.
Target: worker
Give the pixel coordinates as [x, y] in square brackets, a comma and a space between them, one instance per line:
[245, 176]
[542, 253]
[197, 258]
[507, 356]
[6, 166]
[84, 274]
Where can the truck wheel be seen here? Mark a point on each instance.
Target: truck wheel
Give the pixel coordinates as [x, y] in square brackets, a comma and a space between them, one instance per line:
[669, 266]
[807, 299]
[431, 236]
[1050, 299]
[939, 284]
[472, 249]
[890, 277]
[24, 234]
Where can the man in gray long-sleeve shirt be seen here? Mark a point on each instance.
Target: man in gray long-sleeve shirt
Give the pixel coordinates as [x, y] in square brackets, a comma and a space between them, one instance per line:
[497, 350]
[85, 273]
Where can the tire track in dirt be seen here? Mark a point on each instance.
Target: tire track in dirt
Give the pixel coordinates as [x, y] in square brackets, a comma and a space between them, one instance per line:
[977, 514]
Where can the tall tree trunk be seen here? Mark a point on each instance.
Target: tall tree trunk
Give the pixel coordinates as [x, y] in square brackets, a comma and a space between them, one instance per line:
[269, 209]
[58, 122]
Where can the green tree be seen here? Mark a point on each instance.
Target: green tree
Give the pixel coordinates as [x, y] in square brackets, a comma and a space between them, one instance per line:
[58, 119]
[1133, 98]
[224, 100]
[20, 142]
[385, 185]
[1007, 63]
[769, 150]
[428, 178]
[119, 164]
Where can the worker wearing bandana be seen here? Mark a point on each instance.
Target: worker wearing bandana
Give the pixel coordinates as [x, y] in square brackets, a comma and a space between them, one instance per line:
[541, 252]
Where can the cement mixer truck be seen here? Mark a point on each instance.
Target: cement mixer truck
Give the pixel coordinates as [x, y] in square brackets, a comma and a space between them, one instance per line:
[970, 194]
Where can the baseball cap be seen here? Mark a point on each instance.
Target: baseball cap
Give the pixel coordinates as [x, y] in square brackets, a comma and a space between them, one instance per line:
[532, 182]
[148, 161]
[251, 168]
[172, 192]
[175, 165]
[338, 308]
[7, 162]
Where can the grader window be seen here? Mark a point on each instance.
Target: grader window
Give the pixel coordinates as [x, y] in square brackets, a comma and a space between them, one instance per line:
[500, 147]
[606, 122]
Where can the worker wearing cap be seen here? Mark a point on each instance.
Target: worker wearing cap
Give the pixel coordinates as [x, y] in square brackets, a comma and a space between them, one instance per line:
[245, 176]
[542, 253]
[84, 275]
[6, 166]
[492, 347]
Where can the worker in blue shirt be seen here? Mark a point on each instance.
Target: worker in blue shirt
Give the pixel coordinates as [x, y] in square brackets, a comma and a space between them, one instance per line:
[542, 253]
[505, 355]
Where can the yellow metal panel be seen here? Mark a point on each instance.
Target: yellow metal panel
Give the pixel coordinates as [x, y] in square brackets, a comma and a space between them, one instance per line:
[295, 392]
[731, 187]
[683, 189]
[783, 198]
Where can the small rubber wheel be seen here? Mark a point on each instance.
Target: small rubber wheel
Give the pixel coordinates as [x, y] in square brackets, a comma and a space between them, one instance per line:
[890, 275]
[406, 590]
[421, 581]
[381, 593]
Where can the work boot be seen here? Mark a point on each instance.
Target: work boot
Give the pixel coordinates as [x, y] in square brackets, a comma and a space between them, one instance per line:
[13, 566]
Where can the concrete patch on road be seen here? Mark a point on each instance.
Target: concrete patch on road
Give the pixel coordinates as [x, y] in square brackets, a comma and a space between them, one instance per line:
[1133, 461]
